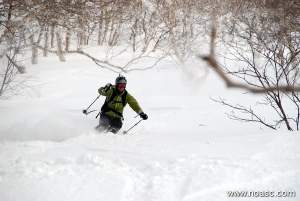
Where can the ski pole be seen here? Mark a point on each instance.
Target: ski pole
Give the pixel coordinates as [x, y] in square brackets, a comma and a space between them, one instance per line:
[124, 132]
[88, 112]
[98, 114]
[85, 110]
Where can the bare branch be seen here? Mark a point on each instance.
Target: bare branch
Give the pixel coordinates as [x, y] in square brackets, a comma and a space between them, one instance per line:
[253, 117]
[212, 62]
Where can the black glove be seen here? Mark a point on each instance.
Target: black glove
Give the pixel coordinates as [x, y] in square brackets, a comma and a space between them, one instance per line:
[107, 86]
[143, 116]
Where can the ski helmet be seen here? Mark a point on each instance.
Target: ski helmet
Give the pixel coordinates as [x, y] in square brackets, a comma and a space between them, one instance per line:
[121, 80]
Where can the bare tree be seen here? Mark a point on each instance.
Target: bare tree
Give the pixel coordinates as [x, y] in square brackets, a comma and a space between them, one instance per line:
[11, 43]
[267, 55]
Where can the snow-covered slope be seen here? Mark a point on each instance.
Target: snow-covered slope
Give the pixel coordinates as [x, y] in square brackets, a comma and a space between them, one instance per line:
[187, 149]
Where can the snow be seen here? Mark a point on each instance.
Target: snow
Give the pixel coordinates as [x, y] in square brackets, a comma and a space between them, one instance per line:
[187, 150]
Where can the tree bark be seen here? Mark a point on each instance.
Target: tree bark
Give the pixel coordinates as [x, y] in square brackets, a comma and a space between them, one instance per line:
[46, 42]
[34, 51]
[59, 48]
[52, 36]
[68, 36]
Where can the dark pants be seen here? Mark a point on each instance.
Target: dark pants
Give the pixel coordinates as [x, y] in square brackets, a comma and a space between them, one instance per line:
[110, 124]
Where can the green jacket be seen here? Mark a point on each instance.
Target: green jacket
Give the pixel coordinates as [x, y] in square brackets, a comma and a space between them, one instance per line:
[116, 104]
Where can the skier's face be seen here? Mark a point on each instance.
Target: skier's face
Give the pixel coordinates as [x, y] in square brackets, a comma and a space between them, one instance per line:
[121, 87]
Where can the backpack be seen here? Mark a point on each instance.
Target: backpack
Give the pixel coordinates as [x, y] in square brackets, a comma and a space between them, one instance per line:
[105, 107]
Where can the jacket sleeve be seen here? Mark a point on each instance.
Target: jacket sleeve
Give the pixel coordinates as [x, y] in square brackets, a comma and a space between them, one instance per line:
[105, 91]
[134, 104]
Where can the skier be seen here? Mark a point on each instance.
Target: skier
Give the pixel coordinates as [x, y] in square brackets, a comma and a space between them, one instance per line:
[117, 97]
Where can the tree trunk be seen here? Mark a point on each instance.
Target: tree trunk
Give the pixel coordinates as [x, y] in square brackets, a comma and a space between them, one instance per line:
[85, 38]
[100, 28]
[52, 36]
[106, 27]
[34, 51]
[46, 41]
[133, 35]
[79, 41]
[68, 36]
[4, 79]
[59, 48]
[285, 119]
[112, 30]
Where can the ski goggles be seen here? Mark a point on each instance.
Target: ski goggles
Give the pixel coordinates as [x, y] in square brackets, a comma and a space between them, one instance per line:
[121, 85]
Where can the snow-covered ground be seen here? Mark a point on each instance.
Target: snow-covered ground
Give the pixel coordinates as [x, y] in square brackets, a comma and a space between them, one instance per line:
[187, 150]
